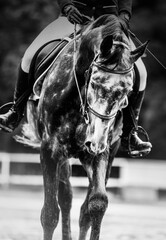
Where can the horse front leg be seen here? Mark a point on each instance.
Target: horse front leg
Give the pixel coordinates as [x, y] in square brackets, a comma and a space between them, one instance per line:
[85, 220]
[65, 199]
[50, 210]
[98, 200]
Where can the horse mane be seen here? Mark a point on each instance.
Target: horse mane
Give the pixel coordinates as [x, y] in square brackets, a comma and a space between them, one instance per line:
[106, 25]
[112, 25]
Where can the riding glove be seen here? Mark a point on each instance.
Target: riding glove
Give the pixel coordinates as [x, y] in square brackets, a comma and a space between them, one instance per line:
[72, 14]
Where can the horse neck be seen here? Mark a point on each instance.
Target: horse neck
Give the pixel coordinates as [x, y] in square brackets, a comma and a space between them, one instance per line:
[89, 45]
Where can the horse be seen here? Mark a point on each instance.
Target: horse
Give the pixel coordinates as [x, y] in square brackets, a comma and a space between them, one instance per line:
[79, 115]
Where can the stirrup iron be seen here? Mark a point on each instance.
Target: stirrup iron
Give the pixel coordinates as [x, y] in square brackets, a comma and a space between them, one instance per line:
[137, 130]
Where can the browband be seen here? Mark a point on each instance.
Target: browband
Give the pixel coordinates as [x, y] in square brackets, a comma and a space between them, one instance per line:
[121, 43]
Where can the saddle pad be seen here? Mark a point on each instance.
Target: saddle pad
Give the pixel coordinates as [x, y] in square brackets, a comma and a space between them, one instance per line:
[45, 60]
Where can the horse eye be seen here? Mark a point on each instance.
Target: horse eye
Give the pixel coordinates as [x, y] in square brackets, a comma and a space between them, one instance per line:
[99, 93]
[102, 94]
[124, 102]
[117, 94]
[93, 85]
[108, 112]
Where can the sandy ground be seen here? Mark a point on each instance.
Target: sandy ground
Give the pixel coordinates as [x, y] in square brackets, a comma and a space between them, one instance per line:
[20, 214]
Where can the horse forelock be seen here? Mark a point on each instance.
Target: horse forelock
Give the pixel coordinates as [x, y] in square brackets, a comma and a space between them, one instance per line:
[115, 27]
[109, 25]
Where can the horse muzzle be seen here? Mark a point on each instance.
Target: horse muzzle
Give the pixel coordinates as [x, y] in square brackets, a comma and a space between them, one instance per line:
[97, 135]
[94, 148]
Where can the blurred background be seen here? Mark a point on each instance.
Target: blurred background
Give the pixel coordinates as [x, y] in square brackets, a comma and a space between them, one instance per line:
[136, 186]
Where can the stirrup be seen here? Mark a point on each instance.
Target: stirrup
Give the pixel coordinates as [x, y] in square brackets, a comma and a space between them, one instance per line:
[141, 130]
[4, 109]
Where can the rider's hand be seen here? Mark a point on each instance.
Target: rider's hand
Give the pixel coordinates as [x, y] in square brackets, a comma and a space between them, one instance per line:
[125, 17]
[72, 14]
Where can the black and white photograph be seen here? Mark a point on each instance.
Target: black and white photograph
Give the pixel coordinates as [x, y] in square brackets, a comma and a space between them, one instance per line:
[82, 120]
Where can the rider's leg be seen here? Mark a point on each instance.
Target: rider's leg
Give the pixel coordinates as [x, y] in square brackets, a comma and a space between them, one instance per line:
[10, 120]
[56, 30]
[139, 147]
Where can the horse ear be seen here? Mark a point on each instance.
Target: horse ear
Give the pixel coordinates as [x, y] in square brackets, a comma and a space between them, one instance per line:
[106, 46]
[138, 52]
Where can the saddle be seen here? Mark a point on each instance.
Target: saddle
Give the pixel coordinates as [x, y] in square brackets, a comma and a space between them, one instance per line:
[42, 61]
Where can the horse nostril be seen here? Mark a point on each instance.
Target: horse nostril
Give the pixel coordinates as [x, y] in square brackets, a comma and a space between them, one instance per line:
[94, 148]
[88, 144]
[102, 148]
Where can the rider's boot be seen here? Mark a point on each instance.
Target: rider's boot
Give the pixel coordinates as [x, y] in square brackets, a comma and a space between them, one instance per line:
[130, 139]
[10, 120]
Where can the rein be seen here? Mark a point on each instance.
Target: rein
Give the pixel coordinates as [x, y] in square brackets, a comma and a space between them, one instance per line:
[74, 70]
[138, 41]
[101, 116]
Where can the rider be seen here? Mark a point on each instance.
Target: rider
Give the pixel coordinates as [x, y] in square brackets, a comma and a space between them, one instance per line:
[73, 11]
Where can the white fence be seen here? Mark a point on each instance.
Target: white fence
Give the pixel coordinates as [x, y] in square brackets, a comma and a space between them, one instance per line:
[132, 172]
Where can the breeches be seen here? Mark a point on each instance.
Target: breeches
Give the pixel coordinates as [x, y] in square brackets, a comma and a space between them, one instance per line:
[59, 29]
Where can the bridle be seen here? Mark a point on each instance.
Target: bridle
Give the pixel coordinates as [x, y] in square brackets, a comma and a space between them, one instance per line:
[114, 71]
[101, 116]
[105, 69]
[85, 106]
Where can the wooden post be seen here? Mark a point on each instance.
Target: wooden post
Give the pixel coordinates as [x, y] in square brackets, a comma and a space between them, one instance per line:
[5, 169]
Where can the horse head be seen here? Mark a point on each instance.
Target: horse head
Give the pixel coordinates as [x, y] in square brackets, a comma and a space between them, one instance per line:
[109, 85]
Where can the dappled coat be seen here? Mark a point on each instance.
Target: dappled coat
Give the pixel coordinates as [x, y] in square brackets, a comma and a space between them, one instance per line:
[97, 8]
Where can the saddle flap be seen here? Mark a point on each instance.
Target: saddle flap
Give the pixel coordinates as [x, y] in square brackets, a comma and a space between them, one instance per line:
[43, 61]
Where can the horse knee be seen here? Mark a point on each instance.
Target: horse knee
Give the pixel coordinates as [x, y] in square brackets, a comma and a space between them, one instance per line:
[50, 217]
[98, 204]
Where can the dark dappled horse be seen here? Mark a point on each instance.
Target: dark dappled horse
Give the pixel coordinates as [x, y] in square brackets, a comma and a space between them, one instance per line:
[104, 69]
